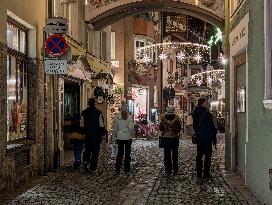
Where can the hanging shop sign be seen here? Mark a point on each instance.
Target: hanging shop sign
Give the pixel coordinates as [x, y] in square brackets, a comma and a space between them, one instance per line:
[238, 38]
[56, 26]
[175, 24]
[56, 67]
[56, 45]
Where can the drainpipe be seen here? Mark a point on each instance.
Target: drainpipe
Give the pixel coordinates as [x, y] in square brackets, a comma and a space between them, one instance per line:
[161, 65]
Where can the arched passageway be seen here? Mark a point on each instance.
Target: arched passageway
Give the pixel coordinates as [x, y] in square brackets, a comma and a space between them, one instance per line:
[100, 16]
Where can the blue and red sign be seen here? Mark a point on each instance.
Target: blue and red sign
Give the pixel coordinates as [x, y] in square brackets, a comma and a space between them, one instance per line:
[56, 45]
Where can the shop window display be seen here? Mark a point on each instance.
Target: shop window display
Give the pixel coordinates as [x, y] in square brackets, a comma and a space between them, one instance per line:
[17, 98]
[16, 83]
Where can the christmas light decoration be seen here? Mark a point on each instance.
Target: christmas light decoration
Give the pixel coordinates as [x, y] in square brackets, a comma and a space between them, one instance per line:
[185, 51]
[198, 57]
[209, 80]
[199, 82]
[163, 56]
[147, 59]
[208, 76]
[216, 38]
[181, 56]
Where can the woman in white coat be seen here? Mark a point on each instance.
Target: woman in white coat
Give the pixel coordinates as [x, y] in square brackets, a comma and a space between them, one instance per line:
[123, 129]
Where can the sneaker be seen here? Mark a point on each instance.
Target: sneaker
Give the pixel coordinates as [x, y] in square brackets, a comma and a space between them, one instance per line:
[166, 174]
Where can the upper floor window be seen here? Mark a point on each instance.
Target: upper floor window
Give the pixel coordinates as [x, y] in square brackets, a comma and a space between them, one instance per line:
[16, 38]
[141, 55]
[234, 4]
[139, 44]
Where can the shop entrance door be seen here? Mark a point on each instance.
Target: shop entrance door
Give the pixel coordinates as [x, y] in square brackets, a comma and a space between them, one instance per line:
[240, 113]
[71, 108]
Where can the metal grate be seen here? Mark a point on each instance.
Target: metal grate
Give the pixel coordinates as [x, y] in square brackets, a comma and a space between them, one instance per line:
[22, 159]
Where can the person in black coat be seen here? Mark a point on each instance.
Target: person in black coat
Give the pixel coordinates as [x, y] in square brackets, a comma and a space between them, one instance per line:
[205, 136]
[94, 130]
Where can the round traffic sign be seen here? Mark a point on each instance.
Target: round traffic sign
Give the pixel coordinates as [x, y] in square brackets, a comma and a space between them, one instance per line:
[56, 45]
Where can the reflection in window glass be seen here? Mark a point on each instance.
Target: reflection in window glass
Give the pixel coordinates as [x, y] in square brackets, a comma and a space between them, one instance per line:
[23, 41]
[17, 98]
[12, 37]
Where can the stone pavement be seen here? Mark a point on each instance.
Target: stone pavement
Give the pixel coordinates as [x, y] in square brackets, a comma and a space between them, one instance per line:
[145, 185]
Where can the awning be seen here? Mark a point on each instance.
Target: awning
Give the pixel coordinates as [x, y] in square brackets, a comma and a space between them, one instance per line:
[98, 65]
[94, 63]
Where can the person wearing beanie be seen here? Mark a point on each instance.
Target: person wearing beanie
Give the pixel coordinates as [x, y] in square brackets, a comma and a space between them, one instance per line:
[205, 132]
[123, 131]
[95, 130]
[77, 137]
[170, 126]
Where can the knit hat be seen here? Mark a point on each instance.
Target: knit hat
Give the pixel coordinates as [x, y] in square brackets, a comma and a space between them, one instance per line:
[201, 101]
[170, 110]
[123, 106]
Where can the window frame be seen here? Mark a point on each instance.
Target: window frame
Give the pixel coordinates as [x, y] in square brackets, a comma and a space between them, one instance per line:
[268, 49]
[20, 63]
[234, 9]
[147, 42]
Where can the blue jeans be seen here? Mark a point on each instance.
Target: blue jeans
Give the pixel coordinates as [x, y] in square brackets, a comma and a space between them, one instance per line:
[78, 147]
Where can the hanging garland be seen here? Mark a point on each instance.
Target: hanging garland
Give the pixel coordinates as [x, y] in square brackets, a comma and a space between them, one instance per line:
[187, 52]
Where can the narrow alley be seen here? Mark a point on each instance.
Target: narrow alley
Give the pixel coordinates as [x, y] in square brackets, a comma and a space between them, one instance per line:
[145, 185]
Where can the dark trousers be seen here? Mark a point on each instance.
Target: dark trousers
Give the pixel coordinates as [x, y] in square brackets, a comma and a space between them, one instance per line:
[203, 148]
[124, 146]
[91, 155]
[171, 146]
[78, 147]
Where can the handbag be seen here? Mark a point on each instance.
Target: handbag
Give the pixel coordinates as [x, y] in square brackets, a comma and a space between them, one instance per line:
[194, 137]
[113, 151]
[161, 142]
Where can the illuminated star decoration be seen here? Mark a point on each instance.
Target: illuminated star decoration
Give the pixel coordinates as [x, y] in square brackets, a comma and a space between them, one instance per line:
[209, 80]
[198, 57]
[218, 36]
[181, 56]
[199, 82]
[147, 59]
[163, 56]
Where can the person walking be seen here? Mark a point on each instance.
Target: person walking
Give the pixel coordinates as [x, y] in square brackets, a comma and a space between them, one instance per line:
[95, 130]
[170, 127]
[77, 137]
[123, 130]
[205, 137]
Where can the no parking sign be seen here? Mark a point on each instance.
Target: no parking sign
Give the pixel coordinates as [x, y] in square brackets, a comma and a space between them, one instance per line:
[56, 45]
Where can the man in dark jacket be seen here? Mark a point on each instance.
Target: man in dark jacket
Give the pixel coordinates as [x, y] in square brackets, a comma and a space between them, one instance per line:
[205, 136]
[94, 129]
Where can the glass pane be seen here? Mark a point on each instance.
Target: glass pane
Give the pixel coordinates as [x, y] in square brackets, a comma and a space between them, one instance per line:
[142, 44]
[23, 41]
[12, 37]
[17, 99]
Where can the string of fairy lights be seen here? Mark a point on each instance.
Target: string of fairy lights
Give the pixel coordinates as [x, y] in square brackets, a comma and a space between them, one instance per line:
[208, 77]
[184, 52]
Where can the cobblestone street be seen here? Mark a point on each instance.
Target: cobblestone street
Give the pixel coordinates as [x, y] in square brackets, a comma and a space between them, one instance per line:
[145, 185]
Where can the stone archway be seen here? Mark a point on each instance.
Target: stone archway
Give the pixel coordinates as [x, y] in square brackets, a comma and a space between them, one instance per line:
[104, 13]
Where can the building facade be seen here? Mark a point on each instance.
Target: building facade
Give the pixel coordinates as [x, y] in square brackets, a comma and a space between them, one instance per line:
[248, 144]
[35, 109]
[22, 95]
